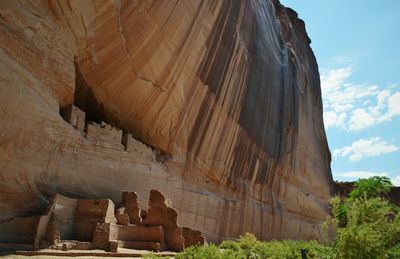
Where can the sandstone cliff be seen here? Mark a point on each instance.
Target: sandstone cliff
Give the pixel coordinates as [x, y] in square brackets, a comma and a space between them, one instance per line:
[227, 91]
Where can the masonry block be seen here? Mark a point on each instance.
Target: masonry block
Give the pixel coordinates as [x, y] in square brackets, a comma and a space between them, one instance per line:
[74, 116]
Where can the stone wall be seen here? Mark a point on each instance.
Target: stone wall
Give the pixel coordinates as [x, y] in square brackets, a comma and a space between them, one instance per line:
[74, 116]
[92, 224]
[88, 214]
[105, 135]
[137, 148]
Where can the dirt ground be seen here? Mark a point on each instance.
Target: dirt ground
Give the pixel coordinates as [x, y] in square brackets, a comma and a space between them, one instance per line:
[81, 254]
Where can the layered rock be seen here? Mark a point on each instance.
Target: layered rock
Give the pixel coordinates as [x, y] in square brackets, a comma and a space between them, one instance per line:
[227, 91]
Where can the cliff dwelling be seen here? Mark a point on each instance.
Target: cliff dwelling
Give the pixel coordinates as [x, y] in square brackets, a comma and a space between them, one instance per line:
[213, 104]
[83, 224]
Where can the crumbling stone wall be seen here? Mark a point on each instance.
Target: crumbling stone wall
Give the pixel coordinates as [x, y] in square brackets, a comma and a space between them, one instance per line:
[161, 213]
[105, 135]
[136, 147]
[95, 224]
[129, 202]
[88, 214]
[74, 116]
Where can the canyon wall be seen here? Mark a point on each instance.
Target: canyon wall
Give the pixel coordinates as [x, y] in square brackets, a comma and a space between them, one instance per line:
[228, 93]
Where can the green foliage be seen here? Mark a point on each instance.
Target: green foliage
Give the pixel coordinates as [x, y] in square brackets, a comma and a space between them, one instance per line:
[394, 252]
[366, 226]
[151, 256]
[339, 211]
[369, 232]
[372, 187]
[249, 247]
[205, 252]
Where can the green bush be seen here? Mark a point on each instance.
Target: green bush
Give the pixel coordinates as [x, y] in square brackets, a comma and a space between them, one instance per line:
[366, 226]
[394, 252]
[339, 211]
[151, 255]
[369, 232]
[209, 251]
[372, 187]
[248, 246]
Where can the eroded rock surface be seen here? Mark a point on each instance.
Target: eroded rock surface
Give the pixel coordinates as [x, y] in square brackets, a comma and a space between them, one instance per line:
[227, 91]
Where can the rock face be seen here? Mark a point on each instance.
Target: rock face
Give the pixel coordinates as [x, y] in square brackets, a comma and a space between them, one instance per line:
[227, 92]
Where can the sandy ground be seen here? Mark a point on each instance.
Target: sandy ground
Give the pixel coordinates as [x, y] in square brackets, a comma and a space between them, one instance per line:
[49, 253]
[58, 257]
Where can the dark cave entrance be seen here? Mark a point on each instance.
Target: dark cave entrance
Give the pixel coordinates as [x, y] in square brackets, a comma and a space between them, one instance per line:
[85, 100]
[86, 111]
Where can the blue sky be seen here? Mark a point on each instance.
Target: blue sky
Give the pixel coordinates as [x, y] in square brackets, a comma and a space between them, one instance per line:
[356, 43]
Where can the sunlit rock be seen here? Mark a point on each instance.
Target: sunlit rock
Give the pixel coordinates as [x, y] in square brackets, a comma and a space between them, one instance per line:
[226, 94]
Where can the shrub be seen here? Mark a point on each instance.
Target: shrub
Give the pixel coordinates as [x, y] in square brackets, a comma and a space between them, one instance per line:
[205, 252]
[339, 211]
[369, 232]
[372, 187]
[248, 246]
[367, 225]
[151, 255]
[394, 252]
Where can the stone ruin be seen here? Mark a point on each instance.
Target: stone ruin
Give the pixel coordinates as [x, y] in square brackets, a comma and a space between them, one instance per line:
[75, 116]
[105, 135]
[84, 224]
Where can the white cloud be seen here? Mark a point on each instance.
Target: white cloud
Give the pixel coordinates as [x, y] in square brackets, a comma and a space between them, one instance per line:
[381, 97]
[347, 59]
[396, 181]
[355, 175]
[342, 59]
[354, 107]
[360, 174]
[333, 119]
[329, 118]
[394, 104]
[365, 148]
[334, 79]
[360, 119]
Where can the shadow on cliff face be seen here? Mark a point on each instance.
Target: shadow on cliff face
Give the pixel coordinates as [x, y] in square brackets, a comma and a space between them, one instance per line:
[95, 111]
[85, 100]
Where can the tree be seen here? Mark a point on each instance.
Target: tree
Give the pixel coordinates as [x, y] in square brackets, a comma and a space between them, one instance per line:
[367, 226]
[375, 186]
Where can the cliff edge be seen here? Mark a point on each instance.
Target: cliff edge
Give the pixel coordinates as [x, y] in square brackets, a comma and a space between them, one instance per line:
[226, 95]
